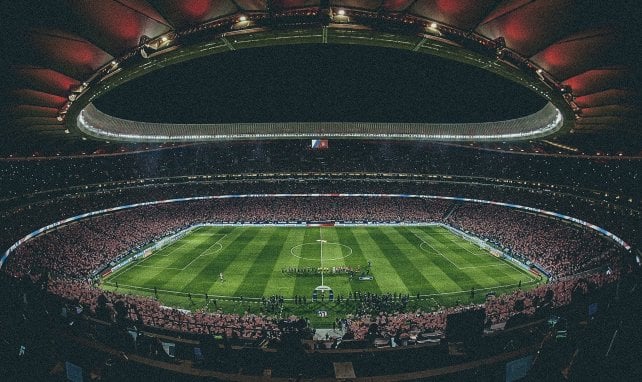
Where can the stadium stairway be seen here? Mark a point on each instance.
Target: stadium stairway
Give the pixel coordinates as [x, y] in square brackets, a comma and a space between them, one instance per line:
[328, 334]
[451, 210]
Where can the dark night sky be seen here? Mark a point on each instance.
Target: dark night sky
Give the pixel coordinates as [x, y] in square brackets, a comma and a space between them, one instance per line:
[311, 83]
[320, 83]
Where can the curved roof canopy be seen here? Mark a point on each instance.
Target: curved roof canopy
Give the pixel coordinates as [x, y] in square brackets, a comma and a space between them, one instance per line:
[567, 51]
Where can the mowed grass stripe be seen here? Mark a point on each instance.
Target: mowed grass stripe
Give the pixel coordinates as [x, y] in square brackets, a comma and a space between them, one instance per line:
[435, 270]
[252, 258]
[445, 236]
[334, 251]
[345, 235]
[202, 274]
[485, 268]
[184, 256]
[447, 250]
[463, 253]
[168, 249]
[154, 277]
[341, 283]
[461, 248]
[303, 285]
[239, 256]
[311, 251]
[408, 244]
[478, 266]
[491, 271]
[260, 266]
[448, 278]
[411, 279]
[388, 279]
[279, 282]
[183, 277]
[503, 274]
[513, 272]
[165, 257]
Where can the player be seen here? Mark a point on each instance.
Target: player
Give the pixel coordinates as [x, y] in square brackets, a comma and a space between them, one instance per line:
[220, 276]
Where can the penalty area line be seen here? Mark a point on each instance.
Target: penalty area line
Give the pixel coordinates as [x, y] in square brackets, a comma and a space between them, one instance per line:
[434, 249]
[205, 251]
[128, 286]
[169, 291]
[478, 289]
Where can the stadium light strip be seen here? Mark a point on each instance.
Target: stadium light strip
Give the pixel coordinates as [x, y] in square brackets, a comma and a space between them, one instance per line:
[97, 124]
[437, 39]
[60, 223]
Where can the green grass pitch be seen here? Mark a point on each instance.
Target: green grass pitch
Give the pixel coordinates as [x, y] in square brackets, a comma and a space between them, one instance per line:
[428, 261]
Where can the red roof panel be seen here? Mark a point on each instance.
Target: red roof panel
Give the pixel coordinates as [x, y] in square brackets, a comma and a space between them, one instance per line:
[608, 97]
[529, 28]
[37, 98]
[252, 5]
[578, 53]
[189, 12]
[464, 14]
[69, 54]
[116, 26]
[596, 80]
[47, 80]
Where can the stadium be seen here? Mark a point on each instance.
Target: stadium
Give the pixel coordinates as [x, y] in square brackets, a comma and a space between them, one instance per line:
[321, 190]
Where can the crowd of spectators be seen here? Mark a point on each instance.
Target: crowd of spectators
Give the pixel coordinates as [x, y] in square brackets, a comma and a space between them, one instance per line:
[389, 323]
[27, 176]
[29, 215]
[77, 249]
[561, 249]
[72, 252]
[148, 312]
[499, 309]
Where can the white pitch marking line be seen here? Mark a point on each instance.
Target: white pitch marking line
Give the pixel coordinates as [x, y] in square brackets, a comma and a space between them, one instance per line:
[487, 266]
[184, 293]
[290, 299]
[461, 246]
[192, 232]
[478, 289]
[435, 249]
[456, 266]
[203, 253]
[156, 267]
[175, 249]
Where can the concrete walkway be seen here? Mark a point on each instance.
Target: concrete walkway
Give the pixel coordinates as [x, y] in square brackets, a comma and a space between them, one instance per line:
[332, 333]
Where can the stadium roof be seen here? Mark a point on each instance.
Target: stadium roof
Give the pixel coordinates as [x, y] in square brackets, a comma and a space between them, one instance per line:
[67, 52]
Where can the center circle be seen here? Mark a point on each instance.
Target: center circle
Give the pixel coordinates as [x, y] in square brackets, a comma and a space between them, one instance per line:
[334, 247]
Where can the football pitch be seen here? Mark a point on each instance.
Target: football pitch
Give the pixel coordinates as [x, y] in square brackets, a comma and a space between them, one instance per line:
[428, 262]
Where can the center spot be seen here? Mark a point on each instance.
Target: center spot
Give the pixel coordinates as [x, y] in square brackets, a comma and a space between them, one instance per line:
[331, 251]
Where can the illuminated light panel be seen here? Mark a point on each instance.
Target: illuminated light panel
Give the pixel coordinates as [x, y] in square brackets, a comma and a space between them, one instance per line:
[97, 124]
